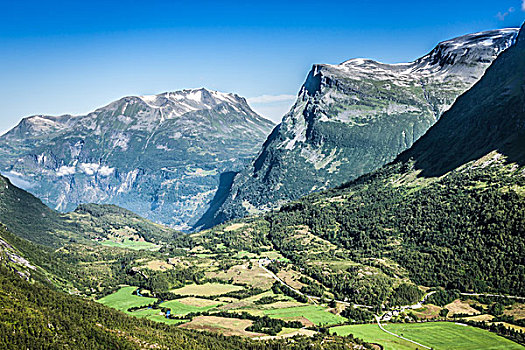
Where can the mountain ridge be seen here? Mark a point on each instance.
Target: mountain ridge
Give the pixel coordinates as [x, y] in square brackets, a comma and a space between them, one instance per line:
[351, 118]
[470, 124]
[169, 148]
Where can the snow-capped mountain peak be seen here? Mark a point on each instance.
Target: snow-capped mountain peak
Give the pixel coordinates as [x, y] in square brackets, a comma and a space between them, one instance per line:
[456, 56]
[195, 99]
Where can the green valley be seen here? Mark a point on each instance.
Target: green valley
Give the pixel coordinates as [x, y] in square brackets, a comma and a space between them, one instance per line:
[426, 251]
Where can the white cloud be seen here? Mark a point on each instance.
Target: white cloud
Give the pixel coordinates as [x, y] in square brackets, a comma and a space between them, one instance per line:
[272, 98]
[523, 5]
[501, 16]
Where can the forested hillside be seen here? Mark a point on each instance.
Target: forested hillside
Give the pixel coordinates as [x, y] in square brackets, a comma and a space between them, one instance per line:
[450, 210]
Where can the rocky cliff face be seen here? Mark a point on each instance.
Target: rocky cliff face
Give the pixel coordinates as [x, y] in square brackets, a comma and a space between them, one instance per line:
[160, 156]
[351, 118]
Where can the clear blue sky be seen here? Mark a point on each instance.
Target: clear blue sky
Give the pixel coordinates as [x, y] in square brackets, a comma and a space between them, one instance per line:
[60, 57]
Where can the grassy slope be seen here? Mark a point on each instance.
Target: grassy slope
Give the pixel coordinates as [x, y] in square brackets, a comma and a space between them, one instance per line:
[449, 336]
[206, 289]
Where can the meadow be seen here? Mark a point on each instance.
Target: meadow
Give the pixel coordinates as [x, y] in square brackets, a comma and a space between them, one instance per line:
[206, 289]
[178, 308]
[123, 299]
[130, 244]
[438, 335]
[315, 314]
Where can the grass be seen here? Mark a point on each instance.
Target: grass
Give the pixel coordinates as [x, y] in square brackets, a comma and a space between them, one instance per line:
[155, 315]
[448, 335]
[200, 302]
[158, 265]
[438, 335]
[372, 334]
[428, 311]
[517, 310]
[244, 254]
[207, 289]
[129, 244]
[123, 299]
[178, 308]
[315, 314]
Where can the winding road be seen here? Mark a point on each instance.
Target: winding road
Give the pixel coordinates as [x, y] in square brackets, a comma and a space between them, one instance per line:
[311, 297]
[493, 295]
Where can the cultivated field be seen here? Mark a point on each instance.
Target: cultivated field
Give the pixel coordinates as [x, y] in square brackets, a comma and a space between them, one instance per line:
[517, 310]
[372, 334]
[428, 311]
[129, 244]
[460, 307]
[178, 308]
[207, 289]
[315, 314]
[226, 326]
[448, 335]
[123, 299]
[438, 335]
[254, 276]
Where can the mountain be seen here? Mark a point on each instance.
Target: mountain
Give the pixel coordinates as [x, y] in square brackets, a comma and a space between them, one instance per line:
[351, 118]
[160, 156]
[488, 118]
[450, 210]
[26, 215]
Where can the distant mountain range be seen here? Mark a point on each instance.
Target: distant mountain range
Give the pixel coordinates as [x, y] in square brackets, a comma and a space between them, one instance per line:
[351, 118]
[161, 156]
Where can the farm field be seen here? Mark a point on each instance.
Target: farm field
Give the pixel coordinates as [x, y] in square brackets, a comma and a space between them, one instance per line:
[438, 335]
[129, 244]
[372, 334]
[460, 307]
[289, 332]
[244, 274]
[315, 314]
[226, 326]
[154, 315]
[428, 311]
[448, 335]
[517, 310]
[179, 308]
[123, 299]
[207, 289]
